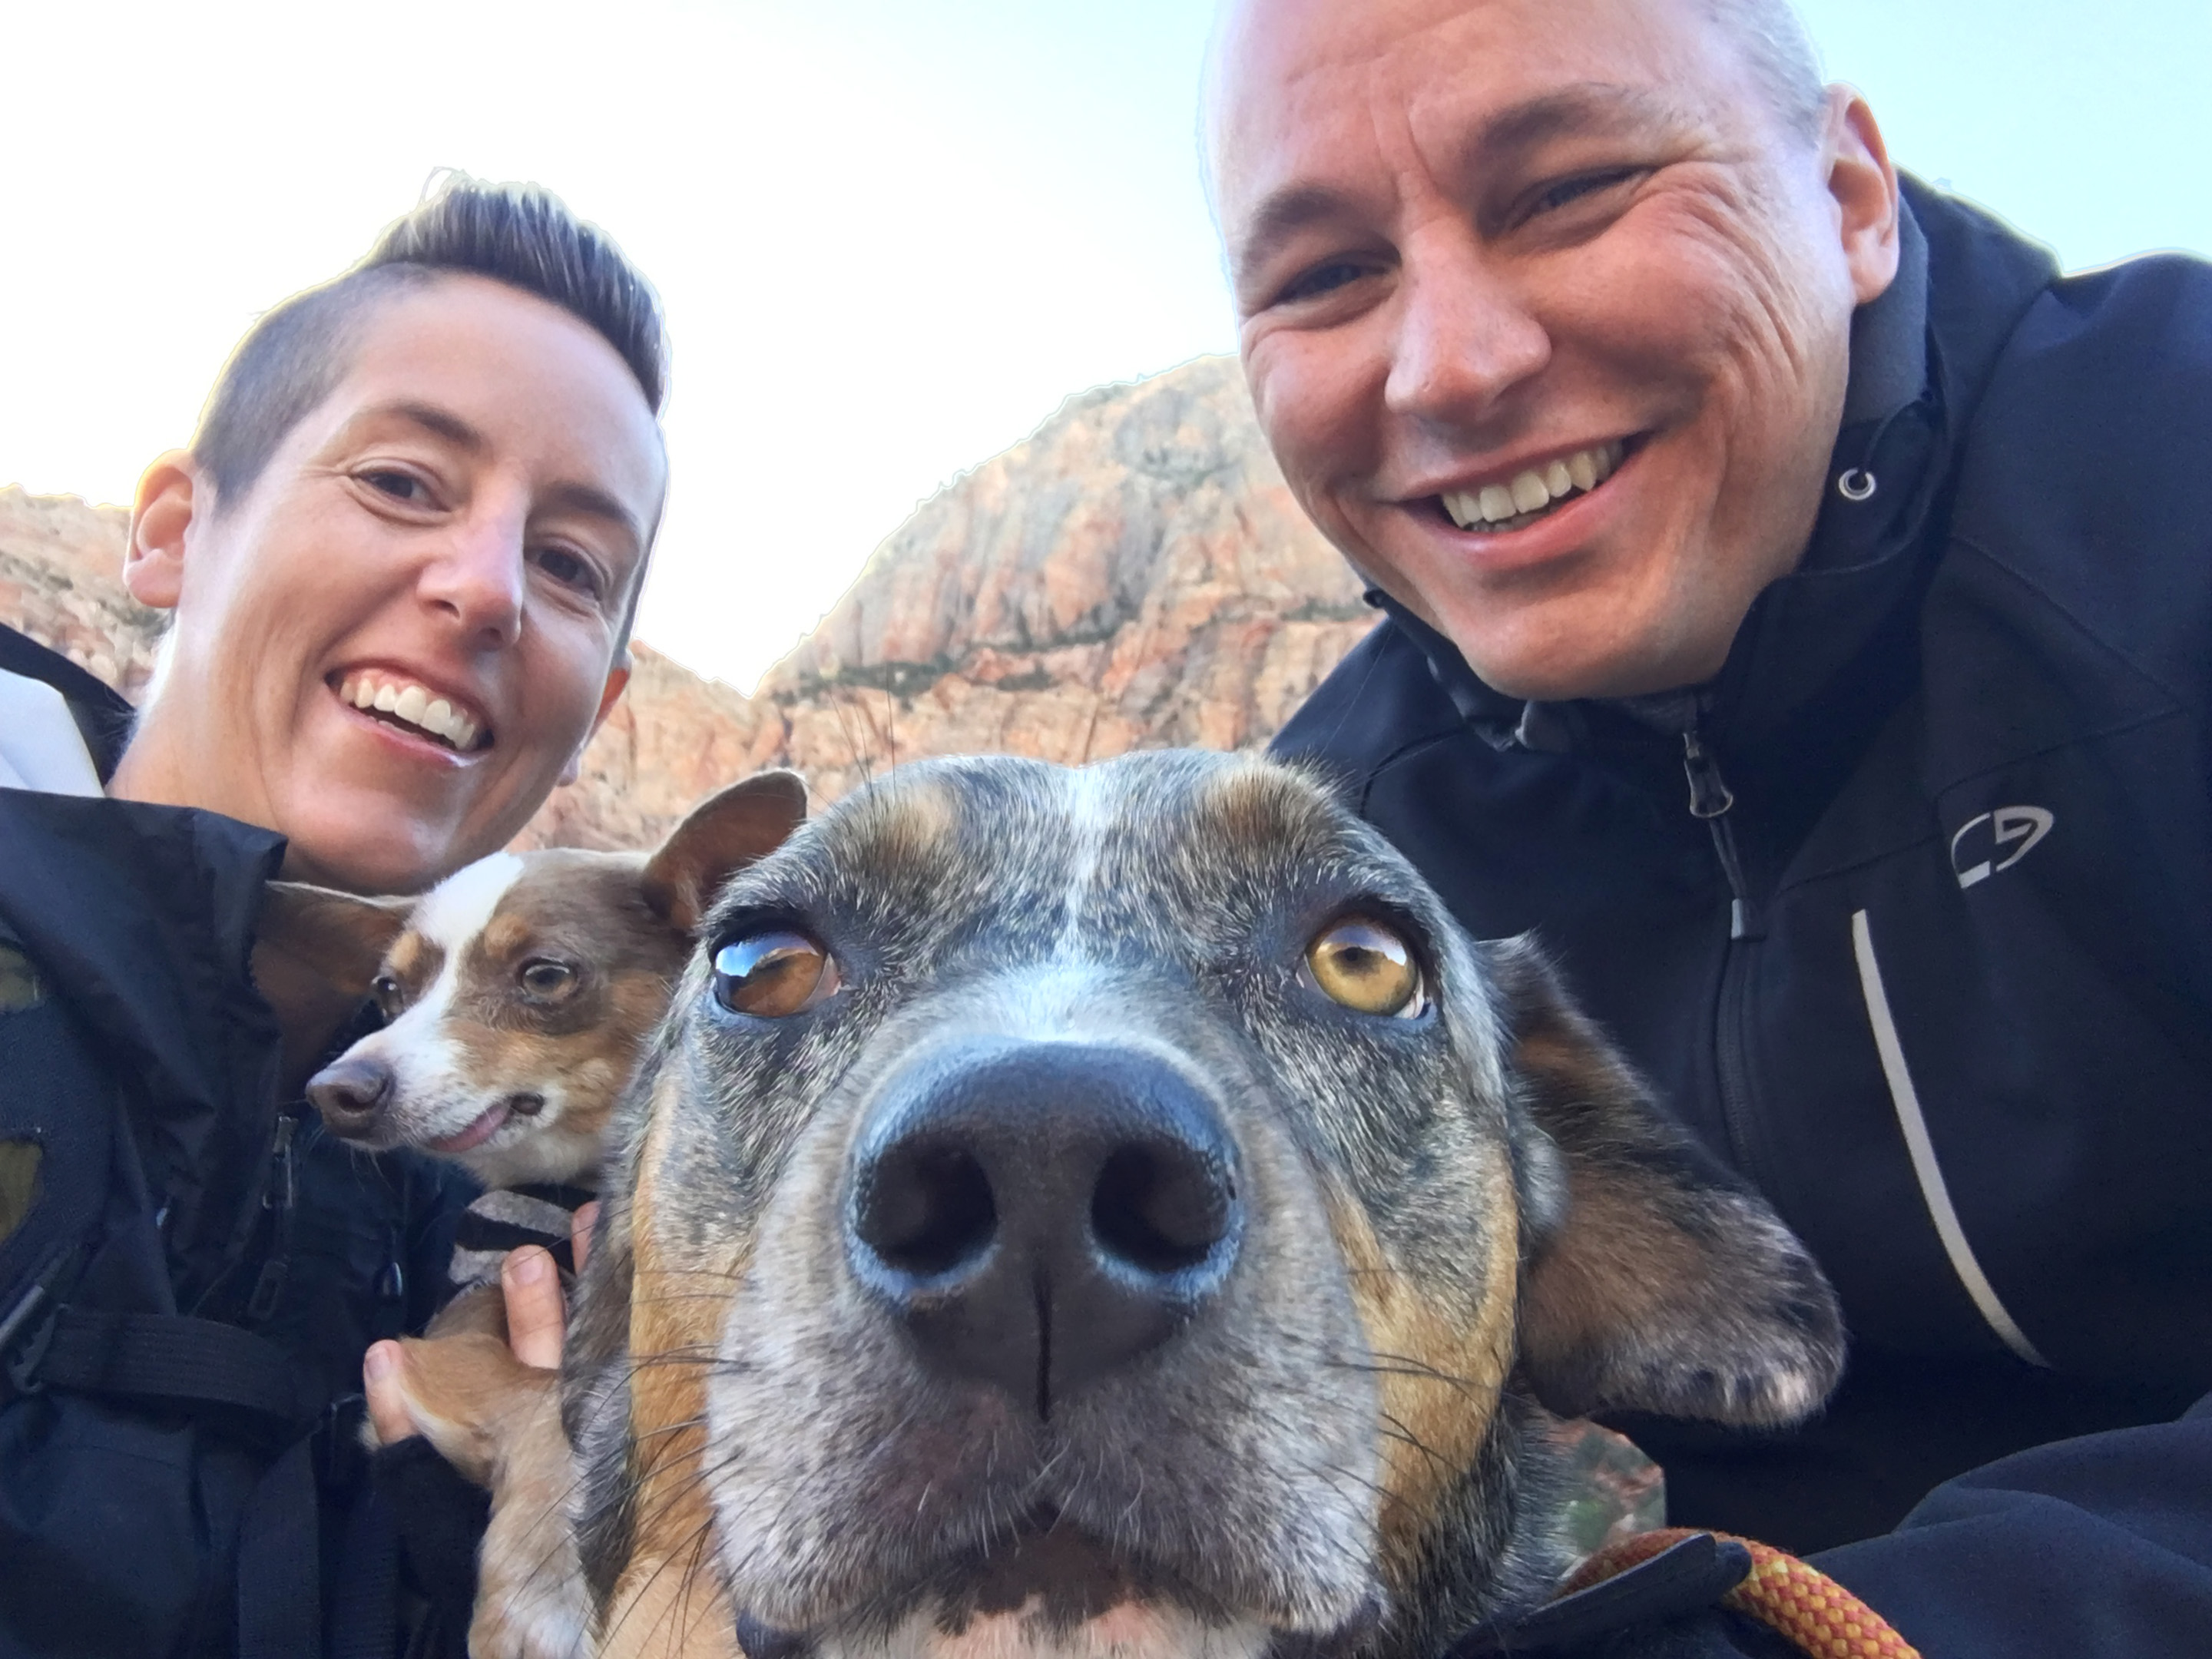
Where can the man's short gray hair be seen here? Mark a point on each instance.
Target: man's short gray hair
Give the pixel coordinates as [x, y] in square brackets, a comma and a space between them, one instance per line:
[1782, 55]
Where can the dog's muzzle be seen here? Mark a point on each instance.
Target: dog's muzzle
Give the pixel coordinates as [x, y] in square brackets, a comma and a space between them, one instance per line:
[1038, 1215]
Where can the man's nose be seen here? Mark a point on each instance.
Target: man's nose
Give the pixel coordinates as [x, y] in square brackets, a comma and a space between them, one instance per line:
[1042, 1215]
[478, 579]
[1466, 336]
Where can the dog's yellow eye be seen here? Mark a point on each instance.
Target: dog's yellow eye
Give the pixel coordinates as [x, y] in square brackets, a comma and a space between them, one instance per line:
[771, 975]
[544, 977]
[1367, 967]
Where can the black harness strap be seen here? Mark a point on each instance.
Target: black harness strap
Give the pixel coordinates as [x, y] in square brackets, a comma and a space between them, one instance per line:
[171, 1357]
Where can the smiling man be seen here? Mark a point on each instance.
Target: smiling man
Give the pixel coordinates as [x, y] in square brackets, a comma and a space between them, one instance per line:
[401, 554]
[1799, 614]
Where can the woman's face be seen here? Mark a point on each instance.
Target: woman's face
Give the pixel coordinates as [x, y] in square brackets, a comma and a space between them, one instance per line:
[452, 539]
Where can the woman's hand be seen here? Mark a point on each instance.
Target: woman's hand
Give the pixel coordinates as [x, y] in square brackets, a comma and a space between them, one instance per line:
[536, 1325]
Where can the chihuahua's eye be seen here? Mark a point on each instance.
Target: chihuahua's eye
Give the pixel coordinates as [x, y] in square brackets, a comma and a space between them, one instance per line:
[775, 973]
[543, 977]
[386, 990]
[1368, 967]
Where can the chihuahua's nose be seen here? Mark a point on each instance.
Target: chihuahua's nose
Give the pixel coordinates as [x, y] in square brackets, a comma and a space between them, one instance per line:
[350, 1093]
[1040, 1214]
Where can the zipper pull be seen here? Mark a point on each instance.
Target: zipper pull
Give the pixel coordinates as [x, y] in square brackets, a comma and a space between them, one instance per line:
[1709, 795]
[282, 1197]
[1709, 799]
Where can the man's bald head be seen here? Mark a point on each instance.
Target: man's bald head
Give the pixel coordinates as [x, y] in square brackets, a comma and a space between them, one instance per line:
[1769, 35]
[1546, 308]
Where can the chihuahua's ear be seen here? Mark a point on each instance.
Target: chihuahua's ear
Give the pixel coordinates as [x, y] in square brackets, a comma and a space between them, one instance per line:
[718, 838]
[1654, 1281]
[338, 937]
[315, 952]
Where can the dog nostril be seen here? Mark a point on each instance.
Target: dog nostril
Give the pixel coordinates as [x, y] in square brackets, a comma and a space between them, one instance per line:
[926, 1209]
[1161, 1211]
[348, 1093]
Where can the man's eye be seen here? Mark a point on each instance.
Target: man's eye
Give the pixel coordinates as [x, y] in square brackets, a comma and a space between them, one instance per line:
[1570, 190]
[1319, 280]
[569, 569]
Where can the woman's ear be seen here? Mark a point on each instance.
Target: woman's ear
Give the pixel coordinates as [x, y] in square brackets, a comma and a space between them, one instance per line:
[609, 693]
[154, 560]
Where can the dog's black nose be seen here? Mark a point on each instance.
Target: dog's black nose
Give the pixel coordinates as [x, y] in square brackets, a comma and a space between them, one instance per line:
[350, 1093]
[1041, 1213]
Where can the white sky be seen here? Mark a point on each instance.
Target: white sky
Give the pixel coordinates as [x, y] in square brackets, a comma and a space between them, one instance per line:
[892, 234]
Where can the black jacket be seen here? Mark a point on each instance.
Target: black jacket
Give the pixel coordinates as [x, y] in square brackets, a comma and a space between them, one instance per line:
[165, 1488]
[1909, 914]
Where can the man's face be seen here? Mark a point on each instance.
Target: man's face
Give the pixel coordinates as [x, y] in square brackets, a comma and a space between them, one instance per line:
[467, 513]
[1489, 254]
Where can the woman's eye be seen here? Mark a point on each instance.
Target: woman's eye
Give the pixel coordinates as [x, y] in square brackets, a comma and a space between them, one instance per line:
[1368, 967]
[774, 974]
[545, 977]
[400, 486]
[569, 569]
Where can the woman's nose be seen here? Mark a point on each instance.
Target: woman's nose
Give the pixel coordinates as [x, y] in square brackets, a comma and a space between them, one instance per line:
[1465, 337]
[478, 578]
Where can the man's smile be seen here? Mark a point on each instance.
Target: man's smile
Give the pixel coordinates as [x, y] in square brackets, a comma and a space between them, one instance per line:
[1531, 492]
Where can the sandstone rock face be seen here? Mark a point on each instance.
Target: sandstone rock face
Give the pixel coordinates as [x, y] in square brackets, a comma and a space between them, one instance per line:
[1134, 575]
[61, 582]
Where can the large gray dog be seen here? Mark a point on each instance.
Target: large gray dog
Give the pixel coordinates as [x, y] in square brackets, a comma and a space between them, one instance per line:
[1118, 1211]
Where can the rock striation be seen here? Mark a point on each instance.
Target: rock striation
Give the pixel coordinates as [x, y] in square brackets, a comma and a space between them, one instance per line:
[1135, 574]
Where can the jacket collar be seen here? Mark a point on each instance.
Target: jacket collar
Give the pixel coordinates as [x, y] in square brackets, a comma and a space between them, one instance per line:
[102, 717]
[1920, 355]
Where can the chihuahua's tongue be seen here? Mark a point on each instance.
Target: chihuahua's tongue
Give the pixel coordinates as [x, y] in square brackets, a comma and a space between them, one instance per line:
[476, 1133]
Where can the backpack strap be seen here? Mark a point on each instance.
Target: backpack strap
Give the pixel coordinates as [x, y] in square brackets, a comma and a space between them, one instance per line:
[163, 1357]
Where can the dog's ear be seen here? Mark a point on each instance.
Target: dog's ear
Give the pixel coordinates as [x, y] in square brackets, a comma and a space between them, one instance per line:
[339, 937]
[1654, 1281]
[315, 952]
[718, 838]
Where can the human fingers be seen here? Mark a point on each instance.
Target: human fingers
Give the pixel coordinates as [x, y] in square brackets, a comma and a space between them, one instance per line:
[380, 1369]
[536, 1320]
[585, 1218]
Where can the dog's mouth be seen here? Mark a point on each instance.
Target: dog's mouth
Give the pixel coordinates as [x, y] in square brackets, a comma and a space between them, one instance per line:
[1031, 1591]
[487, 1123]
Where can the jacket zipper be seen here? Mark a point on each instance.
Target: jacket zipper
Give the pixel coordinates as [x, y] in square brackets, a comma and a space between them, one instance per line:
[283, 1198]
[1710, 801]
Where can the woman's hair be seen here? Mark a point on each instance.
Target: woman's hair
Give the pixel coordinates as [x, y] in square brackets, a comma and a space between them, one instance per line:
[517, 235]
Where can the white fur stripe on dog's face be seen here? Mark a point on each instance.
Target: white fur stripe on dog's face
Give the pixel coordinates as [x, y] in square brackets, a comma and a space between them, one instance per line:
[452, 914]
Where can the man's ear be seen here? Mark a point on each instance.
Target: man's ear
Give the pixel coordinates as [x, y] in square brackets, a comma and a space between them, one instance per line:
[721, 836]
[1654, 1279]
[1862, 180]
[609, 693]
[160, 514]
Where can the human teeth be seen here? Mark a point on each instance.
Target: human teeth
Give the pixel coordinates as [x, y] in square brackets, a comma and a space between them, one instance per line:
[1466, 510]
[1581, 470]
[1530, 494]
[415, 705]
[439, 718]
[410, 704]
[1535, 490]
[1558, 479]
[387, 699]
[1496, 503]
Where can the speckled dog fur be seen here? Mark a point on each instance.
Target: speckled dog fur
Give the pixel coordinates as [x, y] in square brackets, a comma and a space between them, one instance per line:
[1455, 1223]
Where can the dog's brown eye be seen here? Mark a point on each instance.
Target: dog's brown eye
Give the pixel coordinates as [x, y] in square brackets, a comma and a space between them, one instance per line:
[385, 989]
[1367, 967]
[543, 977]
[770, 975]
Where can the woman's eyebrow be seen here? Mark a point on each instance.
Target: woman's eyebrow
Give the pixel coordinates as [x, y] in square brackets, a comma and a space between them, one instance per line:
[439, 422]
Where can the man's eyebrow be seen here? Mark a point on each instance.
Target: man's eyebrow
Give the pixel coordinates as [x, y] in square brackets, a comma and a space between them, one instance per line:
[1601, 104]
[1587, 106]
